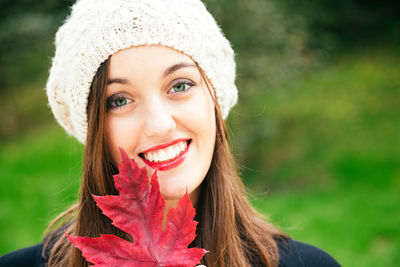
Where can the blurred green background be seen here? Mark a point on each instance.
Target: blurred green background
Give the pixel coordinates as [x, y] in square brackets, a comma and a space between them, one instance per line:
[315, 132]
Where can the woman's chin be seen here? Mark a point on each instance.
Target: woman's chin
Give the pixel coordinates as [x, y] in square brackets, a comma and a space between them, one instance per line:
[172, 195]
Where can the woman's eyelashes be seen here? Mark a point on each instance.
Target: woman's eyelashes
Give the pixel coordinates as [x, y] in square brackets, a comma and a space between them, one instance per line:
[181, 86]
[117, 101]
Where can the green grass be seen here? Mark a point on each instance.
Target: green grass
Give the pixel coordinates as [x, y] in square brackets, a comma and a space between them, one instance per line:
[358, 225]
[40, 176]
[324, 147]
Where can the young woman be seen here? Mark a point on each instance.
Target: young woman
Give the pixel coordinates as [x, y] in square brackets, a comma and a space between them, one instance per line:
[156, 78]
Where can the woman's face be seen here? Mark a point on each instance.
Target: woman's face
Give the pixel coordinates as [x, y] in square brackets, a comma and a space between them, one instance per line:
[161, 113]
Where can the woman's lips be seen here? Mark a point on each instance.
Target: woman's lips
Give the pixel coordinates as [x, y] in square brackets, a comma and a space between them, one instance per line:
[158, 153]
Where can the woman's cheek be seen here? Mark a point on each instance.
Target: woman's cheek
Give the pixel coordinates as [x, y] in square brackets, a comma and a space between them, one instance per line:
[200, 110]
[121, 132]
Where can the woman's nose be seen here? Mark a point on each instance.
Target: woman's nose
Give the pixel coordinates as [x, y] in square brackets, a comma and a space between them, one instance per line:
[159, 119]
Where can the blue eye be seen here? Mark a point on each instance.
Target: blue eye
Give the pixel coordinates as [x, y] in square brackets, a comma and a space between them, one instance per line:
[181, 86]
[117, 101]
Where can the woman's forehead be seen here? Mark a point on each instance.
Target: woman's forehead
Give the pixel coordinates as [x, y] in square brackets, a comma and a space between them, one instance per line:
[154, 57]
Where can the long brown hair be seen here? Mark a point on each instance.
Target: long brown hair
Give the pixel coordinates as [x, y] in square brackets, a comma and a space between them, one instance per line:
[229, 227]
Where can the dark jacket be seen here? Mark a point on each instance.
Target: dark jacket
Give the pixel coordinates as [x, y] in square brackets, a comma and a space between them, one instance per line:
[292, 254]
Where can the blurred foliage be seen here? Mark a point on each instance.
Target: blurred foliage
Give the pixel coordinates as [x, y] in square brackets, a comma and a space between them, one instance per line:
[347, 23]
[334, 124]
[27, 30]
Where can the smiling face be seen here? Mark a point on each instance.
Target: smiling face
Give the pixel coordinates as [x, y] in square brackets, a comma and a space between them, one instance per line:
[159, 110]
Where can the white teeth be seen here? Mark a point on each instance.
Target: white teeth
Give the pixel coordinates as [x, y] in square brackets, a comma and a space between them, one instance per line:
[182, 146]
[171, 153]
[176, 150]
[150, 156]
[166, 153]
[163, 155]
[155, 157]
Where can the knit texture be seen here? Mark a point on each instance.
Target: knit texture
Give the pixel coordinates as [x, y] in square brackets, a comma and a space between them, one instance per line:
[97, 29]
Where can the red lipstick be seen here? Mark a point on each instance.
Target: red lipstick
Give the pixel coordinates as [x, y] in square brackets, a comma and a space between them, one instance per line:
[167, 165]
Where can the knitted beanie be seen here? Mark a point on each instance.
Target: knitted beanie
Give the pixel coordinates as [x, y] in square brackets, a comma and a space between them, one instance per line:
[97, 29]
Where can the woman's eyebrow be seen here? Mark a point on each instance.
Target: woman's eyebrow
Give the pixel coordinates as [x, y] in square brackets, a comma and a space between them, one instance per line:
[177, 66]
[117, 80]
[167, 72]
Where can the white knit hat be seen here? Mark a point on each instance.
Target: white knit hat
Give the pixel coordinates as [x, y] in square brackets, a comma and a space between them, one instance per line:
[97, 29]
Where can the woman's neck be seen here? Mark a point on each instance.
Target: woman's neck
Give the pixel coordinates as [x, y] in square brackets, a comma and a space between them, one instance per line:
[173, 202]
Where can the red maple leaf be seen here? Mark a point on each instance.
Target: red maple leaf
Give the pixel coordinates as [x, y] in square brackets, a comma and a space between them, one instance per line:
[138, 210]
